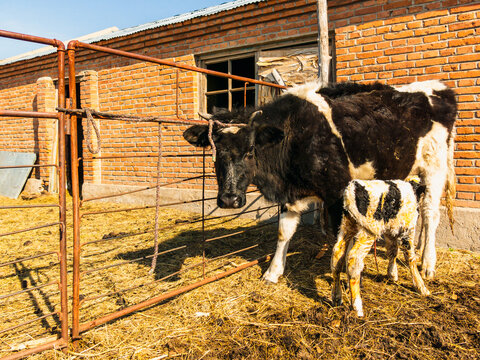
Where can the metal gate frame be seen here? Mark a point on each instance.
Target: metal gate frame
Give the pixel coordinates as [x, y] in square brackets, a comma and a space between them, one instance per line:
[62, 341]
[62, 115]
[72, 48]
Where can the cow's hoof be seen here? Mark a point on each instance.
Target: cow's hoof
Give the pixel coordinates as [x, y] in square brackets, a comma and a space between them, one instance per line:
[270, 278]
[269, 282]
[428, 274]
[359, 313]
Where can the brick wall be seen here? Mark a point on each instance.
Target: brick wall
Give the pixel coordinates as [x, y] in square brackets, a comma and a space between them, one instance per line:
[27, 134]
[392, 41]
[398, 42]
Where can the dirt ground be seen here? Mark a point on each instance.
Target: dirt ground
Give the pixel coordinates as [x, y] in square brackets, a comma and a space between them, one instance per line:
[238, 317]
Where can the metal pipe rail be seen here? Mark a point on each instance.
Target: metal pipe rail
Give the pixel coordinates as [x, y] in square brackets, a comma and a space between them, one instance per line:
[61, 174]
[75, 44]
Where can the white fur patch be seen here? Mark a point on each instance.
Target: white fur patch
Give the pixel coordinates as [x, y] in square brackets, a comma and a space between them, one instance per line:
[431, 151]
[288, 225]
[230, 130]
[300, 206]
[427, 87]
[363, 172]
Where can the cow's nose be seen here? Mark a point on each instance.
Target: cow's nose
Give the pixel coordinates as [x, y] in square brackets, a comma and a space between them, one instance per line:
[229, 201]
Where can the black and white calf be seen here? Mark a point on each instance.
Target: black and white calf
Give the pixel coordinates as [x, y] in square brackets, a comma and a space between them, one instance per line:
[311, 142]
[373, 209]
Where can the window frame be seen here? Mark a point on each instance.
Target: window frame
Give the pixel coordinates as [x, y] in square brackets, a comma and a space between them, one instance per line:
[230, 89]
[255, 50]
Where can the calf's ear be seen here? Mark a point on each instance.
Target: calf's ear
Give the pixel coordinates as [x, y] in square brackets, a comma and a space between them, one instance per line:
[197, 135]
[268, 135]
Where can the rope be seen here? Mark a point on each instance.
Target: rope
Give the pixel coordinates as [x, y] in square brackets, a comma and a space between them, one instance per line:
[91, 122]
[157, 201]
[210, 134]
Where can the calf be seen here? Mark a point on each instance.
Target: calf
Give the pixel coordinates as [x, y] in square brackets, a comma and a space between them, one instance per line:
[372, 209]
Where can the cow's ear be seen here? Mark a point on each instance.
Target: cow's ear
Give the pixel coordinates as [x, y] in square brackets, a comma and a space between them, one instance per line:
[197, 135]
[268, 135]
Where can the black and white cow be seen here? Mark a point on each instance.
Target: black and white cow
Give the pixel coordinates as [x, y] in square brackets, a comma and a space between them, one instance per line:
[311, 141]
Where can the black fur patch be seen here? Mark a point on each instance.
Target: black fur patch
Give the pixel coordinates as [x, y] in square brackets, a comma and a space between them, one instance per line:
[334, 91]
[362, 199]
[418, 189]
[389, 204]
[404, 238]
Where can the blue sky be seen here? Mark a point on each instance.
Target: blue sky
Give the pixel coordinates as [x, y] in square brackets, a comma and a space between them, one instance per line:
[81, 17]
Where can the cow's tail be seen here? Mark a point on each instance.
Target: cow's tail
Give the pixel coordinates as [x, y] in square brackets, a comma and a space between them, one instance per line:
[450, 184]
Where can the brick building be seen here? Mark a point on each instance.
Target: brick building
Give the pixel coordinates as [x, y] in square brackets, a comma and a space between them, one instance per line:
[391, 41]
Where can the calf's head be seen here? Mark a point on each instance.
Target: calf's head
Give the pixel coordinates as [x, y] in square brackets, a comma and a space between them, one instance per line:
[237, 148]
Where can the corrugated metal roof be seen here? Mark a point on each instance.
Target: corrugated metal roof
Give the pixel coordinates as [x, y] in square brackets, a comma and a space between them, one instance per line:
[135, 29]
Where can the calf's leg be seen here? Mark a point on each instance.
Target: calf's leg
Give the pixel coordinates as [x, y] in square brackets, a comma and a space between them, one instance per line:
[347, 230]
[355, 261]
[411, 259]
[392, 252]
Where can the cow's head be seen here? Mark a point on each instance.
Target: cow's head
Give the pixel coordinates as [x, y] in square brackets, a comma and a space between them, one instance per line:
[237, 150]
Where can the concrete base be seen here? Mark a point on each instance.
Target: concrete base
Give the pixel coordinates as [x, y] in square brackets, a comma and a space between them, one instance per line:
[466, 230]
[467, 221]
[254, 209]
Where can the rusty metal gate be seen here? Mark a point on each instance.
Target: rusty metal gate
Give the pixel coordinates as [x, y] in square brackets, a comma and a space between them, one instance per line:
[104, 277]
[33, 302]
[110, 299]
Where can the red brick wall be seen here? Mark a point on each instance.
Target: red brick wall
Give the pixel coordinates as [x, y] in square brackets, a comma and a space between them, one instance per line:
[398, 42]
[27, 134]
[394, 41]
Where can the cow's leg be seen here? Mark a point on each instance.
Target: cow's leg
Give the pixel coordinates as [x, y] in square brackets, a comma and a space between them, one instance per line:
[347, 228]
[435, 183]
[411, 259]
[421, 237]
[355, 261]
[392, 252]
[286, 228]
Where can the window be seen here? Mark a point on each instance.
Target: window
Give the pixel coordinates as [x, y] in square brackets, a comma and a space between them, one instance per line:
[224, 93]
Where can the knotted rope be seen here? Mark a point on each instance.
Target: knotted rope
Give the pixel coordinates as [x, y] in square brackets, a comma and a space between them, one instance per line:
[91, 123]
[210, 134]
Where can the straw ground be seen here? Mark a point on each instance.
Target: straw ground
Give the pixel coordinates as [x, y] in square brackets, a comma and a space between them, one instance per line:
[238, 317]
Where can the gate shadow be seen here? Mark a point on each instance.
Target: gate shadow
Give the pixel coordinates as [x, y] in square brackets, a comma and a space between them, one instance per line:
[302, 268]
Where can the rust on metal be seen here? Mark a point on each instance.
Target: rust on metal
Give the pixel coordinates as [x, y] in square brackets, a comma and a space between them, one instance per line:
[28, 322]
[77, 44]
[29, 114]
[119, 117]
[62, 251]
[30, 229]
[29, 289]
[28, 258]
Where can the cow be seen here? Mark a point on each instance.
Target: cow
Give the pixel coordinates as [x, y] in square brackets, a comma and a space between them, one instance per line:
[310, 142]
[372, 209]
